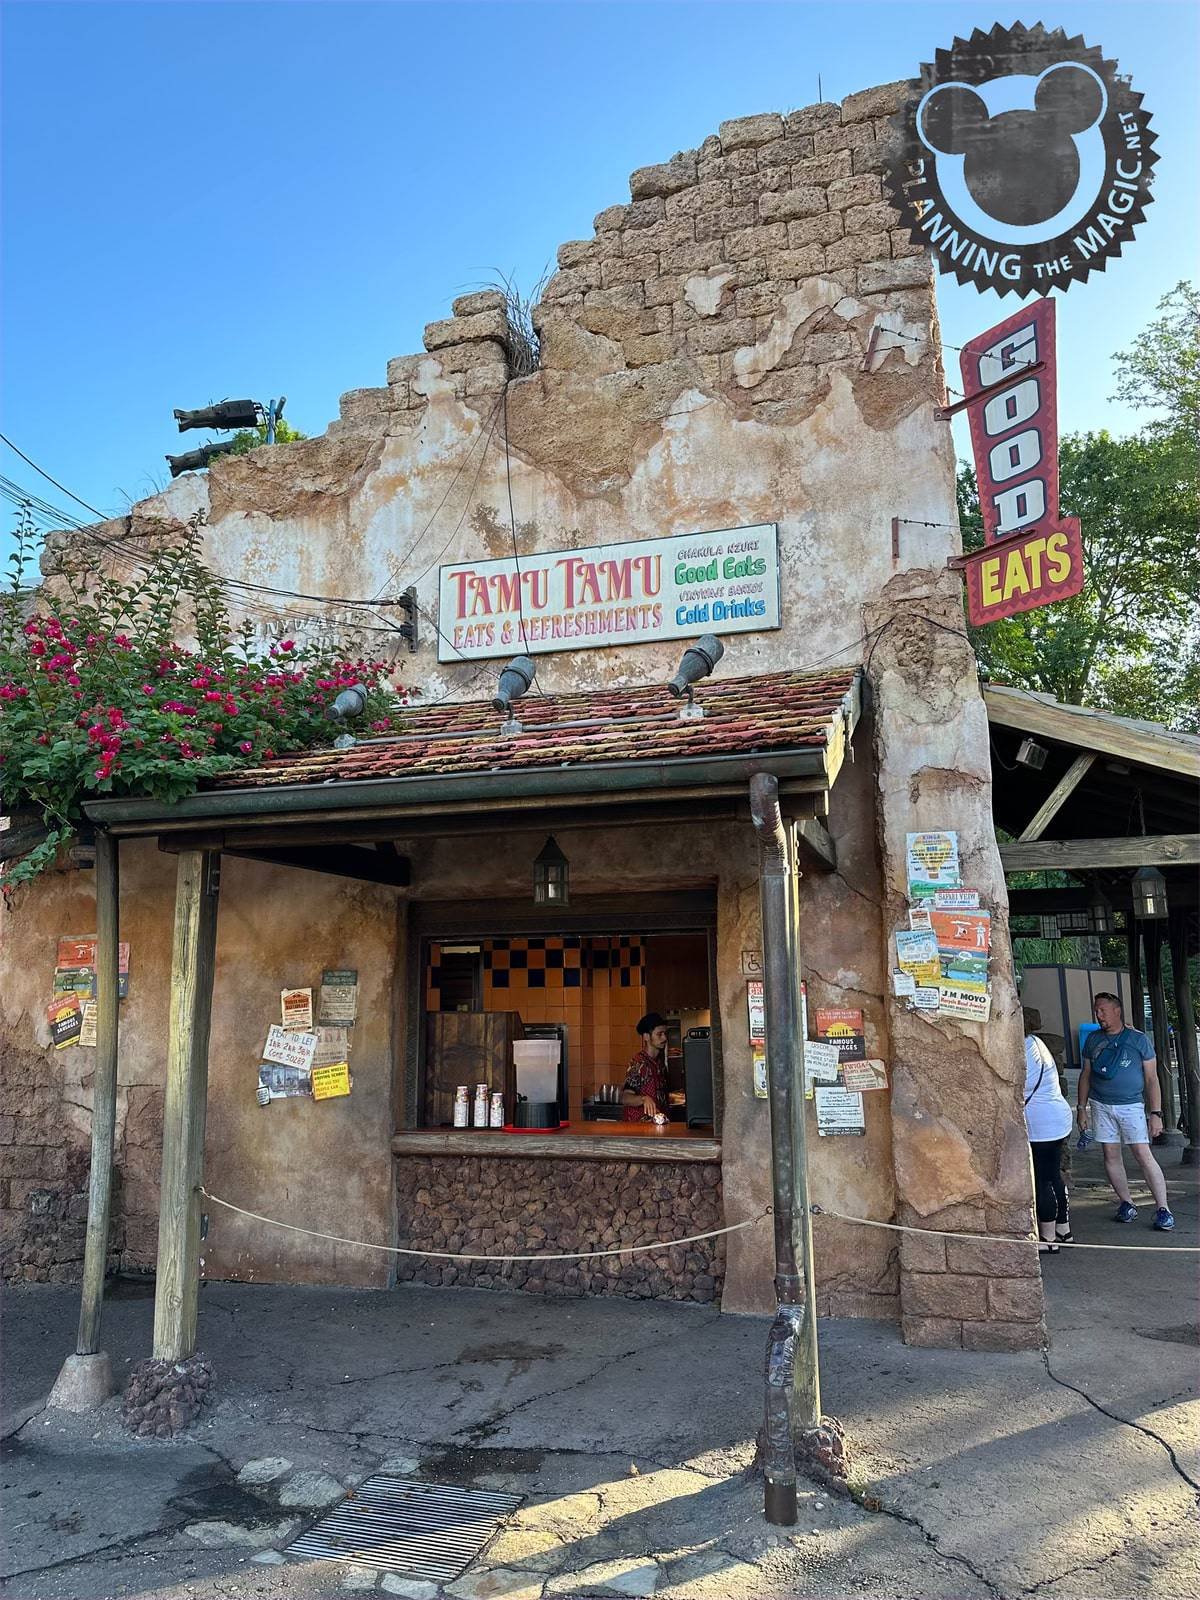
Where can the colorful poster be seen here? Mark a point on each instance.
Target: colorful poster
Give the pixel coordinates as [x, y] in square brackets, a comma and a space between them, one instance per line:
[75, 980]
[76, 965]
[864, 1075]
[283, 1082]
[756, 1012]
[338, 1005]
[932, 863]
[330, 1082]
[839, 1111]
[760, 1073]
[843, 1027]
[290, 1049]
[962, 932]
[296, 1007]
[955, 1000]
[65, 1016]
[917, 953]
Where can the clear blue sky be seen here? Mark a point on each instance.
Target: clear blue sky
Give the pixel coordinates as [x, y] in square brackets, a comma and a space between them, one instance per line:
[228, 199]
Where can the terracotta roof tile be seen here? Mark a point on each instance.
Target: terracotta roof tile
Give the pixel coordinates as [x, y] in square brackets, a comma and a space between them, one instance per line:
[778, 711]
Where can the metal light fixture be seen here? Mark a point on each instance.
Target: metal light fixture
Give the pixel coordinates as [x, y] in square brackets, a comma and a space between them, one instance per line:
[1099, 912]
[348, 707]
[1149, 894]
[1032, 754]
[226, 414]
[196, 460]
[514, 682]
[698, 661]
[551, 876]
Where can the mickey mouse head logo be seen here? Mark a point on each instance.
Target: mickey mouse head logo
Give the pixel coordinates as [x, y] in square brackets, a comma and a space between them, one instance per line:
[1021, 167]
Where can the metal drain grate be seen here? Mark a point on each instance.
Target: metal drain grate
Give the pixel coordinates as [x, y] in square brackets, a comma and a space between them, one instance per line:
[431, 1530]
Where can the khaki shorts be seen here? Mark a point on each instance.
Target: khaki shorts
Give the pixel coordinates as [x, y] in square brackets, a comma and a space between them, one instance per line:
[1119, 1124]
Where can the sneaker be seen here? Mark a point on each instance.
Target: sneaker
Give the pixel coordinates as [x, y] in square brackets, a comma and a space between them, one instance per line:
[1125, 1212]
[1163, 1220]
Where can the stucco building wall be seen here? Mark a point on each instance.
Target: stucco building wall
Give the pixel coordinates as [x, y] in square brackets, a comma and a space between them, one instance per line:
[750, 339]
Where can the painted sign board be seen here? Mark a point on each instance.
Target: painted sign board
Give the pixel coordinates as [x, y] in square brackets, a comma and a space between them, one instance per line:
[1023, 572]
[635, 592]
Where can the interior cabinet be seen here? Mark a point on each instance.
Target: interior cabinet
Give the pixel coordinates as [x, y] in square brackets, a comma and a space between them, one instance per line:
[469, 1047]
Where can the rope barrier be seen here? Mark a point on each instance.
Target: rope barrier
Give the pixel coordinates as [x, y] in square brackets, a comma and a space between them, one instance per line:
[996, 1238]
[450, 1255]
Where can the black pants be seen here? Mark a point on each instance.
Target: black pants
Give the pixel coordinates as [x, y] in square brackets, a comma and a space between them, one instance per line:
[1050, 1192]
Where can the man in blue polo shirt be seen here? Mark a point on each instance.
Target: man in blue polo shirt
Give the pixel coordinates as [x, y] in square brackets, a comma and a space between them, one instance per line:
[1120, 1079]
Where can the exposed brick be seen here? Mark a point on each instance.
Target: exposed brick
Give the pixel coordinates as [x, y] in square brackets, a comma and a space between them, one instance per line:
[931, 1294]
[876, 218]
[746, 191]
[830, 347]
[755, 241]
[655, 319]
[880, 102]
[399, 370]
[785, 204]
[856, 248]
[644, 213]
[709, 338]
[648, 349]
[859, 136]
[823, 169]
[861, 191]
[803, 263]
[807, 118]
[870, 157]
[902, 245]
[1001, 1260]
[922, 1252]
[783, 152]
[733, 164]
[725, 219]
[469, 305]
[644, 241]
[823, 228]
[760, 299]
[663, 291]
[458, 330]
[744, 132]
[573, 280]
[487, 378]
[1002, 1335]
[690, 202]
[359, 405]
[855, 1303]
[1015, 1299]
[628, 269]
[610, 218]
[666, 178]
[21, 1161]
[877, 276]
[932, 1333]
[576, 251]
[688, 258]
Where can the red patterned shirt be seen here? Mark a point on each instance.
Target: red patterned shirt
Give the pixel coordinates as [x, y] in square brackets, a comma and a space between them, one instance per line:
[647, 1075]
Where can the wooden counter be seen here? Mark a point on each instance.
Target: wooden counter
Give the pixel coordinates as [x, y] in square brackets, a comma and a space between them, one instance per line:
[603, 1141]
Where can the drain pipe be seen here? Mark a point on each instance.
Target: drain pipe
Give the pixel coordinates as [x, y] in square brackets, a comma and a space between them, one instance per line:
[793, 1402]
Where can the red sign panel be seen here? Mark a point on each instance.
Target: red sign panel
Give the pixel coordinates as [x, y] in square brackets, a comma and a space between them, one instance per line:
[1033, 556]
[1024, 571]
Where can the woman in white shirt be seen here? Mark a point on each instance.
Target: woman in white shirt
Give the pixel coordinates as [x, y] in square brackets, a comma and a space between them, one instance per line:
[1048, 1123]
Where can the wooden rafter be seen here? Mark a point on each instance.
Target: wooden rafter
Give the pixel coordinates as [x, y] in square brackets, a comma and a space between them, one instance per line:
[1058, 796]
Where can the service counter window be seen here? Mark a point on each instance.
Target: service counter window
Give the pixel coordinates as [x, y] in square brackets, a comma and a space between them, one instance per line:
[544, 1016]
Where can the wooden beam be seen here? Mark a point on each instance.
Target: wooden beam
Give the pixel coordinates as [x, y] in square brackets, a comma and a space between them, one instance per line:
[1189, 1055]
[16, 842]
[1072, 855]
[343, 861]
[1058, 796]
[1097, 731]
[192, 962]
[104, 1094]
[815, 849]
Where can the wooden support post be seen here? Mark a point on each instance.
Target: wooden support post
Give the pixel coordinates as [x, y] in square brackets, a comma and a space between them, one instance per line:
[192, 963]
[1137, 994]
[1058, 797]
[1189, 1051]
[104, 1093]
[1162, 1037]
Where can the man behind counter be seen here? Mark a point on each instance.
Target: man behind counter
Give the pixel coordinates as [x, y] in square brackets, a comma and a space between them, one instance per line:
[645, 1089]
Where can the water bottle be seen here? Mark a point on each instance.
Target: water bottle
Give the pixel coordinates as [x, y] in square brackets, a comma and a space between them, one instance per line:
[1084, 1140]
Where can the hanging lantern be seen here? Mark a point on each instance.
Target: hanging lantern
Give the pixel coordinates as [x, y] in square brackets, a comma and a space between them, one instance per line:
[1149, 894]
[1100, 913]
[551, 877]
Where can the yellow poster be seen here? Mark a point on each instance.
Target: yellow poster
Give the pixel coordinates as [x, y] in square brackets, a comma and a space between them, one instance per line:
[329, 1082]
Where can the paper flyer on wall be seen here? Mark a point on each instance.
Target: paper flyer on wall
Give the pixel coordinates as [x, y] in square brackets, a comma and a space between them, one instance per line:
[842, 1026]
[333, 1045]
[75, 965]
[839, 1111]
[956, 1001]
[756, 1015]
[65, 1017]
[956, 899]
[864, 1075]
[87, 1035]
[925, 997]
[290, 1049]
[918, 918]
[296, 1009]
[903, 983]
[328, 1083]
[338, 1004]
[283, 1083]
[821, 1063]
[917, 953]
[760, 1073]
[932, 863]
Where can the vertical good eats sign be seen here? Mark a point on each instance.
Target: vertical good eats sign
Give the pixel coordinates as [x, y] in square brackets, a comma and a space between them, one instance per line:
[637, 592]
